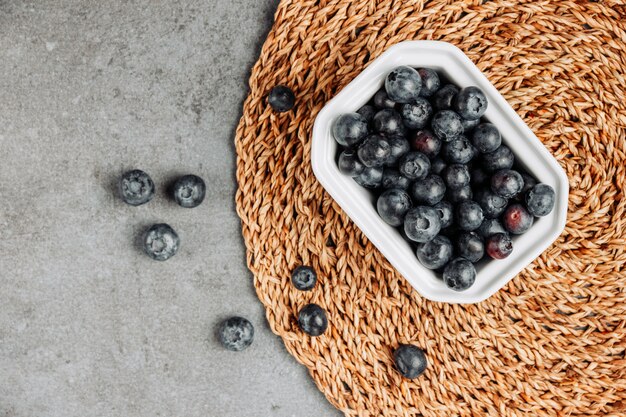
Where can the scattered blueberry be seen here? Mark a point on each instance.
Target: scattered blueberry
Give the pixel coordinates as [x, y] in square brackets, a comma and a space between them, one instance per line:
[422, 224]
[189, 191]
[437, 166]
[429, 190]
[374, 151]
[540, 200]
[490, 227]
[304, 278]
[492, 204]
[445, 210]
[446, 124]
[507, 183]
[393, 179]
[469, 215]
[367, 112]
[458, 195]
[442, 99]
[136, 187]
[160, 242]
[459, 274]
[392, 206]
[470, 246]
[236, 333]
[415, 115]
[382, 100]
[499, 245]
[399, 146]
[478, 177]
[349, 163]
[430, 82]
[388, 122]
[371, 177]
[350, 129]
[501, 158]
[410, 361]
[414, 165]
[486, 138]
[517, 219]
[456, 176]
[458, 151]
[312, 320]
[436, 253]
[426, 142]
[470, 103]
[281, 98]
[403, 84]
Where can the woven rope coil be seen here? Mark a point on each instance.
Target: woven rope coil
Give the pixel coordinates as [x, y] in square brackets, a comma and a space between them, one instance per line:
[550, 343]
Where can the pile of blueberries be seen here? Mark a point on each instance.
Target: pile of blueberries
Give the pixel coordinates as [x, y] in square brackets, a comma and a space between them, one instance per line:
[440, 172]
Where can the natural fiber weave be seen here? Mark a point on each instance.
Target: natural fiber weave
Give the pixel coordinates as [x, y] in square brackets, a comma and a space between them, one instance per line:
[553, 341]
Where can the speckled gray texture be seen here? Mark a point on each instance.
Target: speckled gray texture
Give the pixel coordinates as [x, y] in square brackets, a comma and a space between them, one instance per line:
[89, 325]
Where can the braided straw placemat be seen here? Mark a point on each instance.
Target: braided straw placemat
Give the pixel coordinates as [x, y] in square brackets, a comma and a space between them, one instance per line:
[550, 343]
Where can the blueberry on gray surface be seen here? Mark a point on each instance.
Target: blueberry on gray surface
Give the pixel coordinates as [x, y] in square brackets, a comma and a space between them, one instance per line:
[371, 177]
[456, 176]
[470, 103]
[399, 146]
[459, 274]
[281, 98]
[501, 158]
[160, 242]
[426, 142]
[403, 84]
[374, 151]
[469, 215]
[490, 227]
[445, 210]
[478, 177]
[410, 361]
[437, 166]
[367, 112]
[486, 138]
[493, 205]
[516, 219]
[415, 115]
[436, 253]
[236, 333]
[392, 206]
[189, 191]
[349, 163]
[443, 98]
[458, 195]
[469, 125]
[447, 125]
[470, 246]
[350, 129]
[304, 278]
[429, 190]
[499, 245]
[312, 320]
[422, 224]
[393, 179]
[540, 200]
[507, 183]
[382, 100]
[414, 165]
[430, 81]
[458, 151]
[388, 122]
[136, 187]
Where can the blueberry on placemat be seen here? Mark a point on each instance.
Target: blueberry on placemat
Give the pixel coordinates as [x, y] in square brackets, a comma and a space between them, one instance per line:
[304, 278]
[312, 320]
[281, 98]
[410, 361]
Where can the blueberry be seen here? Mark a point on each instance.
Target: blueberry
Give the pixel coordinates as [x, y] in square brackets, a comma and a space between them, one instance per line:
[410, 361]
[529, 183]
[442, 99]
[430, 82]
[446, 124]
[382, 100]
[414, 165]
[456, 176]
[458, 151]
[499, 245]
[388, 122]
[469, 125]
[136, 187]
[160, 242]
[416, 115]
[469, 215]
[445, 210]
[501, 158]
[470, 103]
[507, 183]
[490, 227]
[470, 246]
[189, 191]
[426, 142]
[459, 195]
[350, 129]
[492, 204]
[429, 190]
[437, 166]
[304, 278]
[540, 200]
[236, 333]
[459, 274]
[393, 179]
[399, 146]
[371, 177]
[403, 84]
[312, 320]
[436, 253]
[517, 219]
[486, 138]
[349, 163]
[392, 206]
[422, 224]
[281, 98]
[374, 151]
[478, 177]
[367, 112]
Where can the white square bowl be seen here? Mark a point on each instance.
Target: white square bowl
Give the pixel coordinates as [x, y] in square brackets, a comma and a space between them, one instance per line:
[359, 203]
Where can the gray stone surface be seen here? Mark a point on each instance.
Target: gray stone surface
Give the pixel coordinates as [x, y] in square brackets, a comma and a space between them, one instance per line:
[89, 326]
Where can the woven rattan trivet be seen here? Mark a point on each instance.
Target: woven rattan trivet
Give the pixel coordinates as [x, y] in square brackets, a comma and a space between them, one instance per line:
[550, 343]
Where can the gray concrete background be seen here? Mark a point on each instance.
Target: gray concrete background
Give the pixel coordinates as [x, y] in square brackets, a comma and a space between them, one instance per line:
[88, 325]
